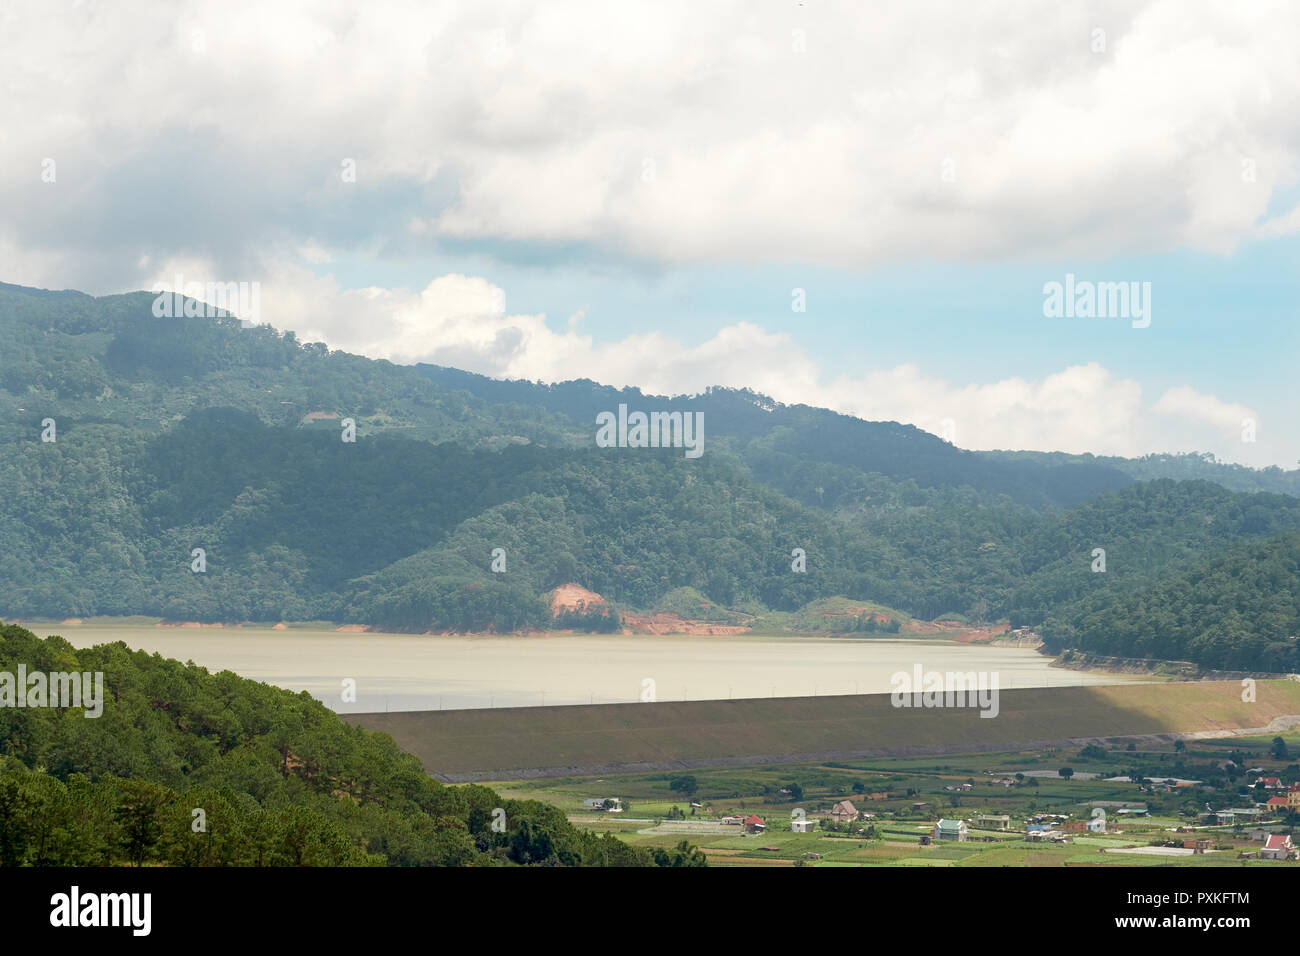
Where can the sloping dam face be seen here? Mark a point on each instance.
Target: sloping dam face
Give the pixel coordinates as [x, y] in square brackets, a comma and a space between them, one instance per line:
[524, 742]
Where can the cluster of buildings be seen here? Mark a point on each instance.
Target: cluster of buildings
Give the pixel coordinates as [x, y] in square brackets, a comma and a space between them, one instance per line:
[1280, 803]
[842, 812]
[1286, 802]
[1045, 827]
[752, 824]
[1051, 827]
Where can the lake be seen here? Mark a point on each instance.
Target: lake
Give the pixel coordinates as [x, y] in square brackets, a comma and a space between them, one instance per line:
[425, 672]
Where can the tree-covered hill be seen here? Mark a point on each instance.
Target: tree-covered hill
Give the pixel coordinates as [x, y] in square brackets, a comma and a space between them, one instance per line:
[1235, 608]
[777, 440]
[90, 361]
[813, 437]
[1191, 466]
[279, 779]
[1146, 531]
[174, 435]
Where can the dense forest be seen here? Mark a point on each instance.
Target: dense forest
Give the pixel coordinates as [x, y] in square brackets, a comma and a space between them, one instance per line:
[193, 469]
[279, 779]
[1239, 610]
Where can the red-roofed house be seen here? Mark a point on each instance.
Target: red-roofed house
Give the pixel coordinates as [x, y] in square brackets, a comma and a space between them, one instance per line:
[843, 812]
[755, 824]
[1276, 804]
[1278, 847]
[1270, 783]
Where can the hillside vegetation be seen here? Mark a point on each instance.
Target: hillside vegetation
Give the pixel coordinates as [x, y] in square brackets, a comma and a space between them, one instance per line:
[173, 435]
[279, 778]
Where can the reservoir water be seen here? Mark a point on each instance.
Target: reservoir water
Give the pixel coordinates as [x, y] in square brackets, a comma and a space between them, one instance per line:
[423, 672]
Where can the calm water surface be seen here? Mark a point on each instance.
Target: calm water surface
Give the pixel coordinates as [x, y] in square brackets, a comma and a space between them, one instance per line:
[421, 672]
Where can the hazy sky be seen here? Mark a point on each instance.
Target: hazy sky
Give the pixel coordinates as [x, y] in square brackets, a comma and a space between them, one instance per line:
[646, 193]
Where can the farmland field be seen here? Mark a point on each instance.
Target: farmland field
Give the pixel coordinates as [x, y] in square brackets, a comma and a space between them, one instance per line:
[905, 795]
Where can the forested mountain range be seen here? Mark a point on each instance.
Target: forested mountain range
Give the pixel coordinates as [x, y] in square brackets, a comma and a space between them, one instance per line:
[819, 435]
[172, 434]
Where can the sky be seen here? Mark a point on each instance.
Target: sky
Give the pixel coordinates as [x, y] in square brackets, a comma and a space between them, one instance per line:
[862, 207]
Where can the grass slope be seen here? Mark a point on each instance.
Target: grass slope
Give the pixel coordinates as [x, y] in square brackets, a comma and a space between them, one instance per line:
[552, 741]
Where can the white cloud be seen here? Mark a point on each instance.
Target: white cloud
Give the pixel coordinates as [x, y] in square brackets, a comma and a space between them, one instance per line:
[494, 121]
[1187, 403]
[217, 137]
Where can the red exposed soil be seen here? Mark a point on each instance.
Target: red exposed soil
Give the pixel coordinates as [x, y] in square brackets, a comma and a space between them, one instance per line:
[574, 597]
[667, 622]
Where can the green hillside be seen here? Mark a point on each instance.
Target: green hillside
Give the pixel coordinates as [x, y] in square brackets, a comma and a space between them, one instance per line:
[279, 778]
[172, 435]
[1232, 610]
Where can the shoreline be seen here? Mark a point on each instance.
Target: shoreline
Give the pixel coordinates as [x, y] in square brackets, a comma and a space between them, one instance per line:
[929, 631]
[935, 633]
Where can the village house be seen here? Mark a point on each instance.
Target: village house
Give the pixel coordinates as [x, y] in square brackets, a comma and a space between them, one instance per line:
[1236, 815]
[1279, 847]
[1052, 818]
[951, 830]
[1277, 804]
[989, 821]
[802, 826]
[754, 824]
[602, 803]
[1293, 796]
[732, 821]
[843, 812]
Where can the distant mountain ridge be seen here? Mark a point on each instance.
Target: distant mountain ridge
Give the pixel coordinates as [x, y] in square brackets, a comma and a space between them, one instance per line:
[1056, 478]
[128, 441]
[757, 427]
